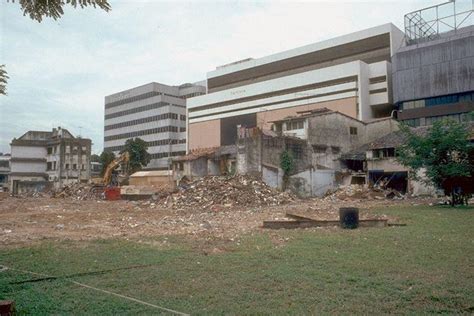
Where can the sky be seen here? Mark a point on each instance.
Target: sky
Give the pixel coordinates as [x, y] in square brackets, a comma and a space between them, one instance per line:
[60, 71]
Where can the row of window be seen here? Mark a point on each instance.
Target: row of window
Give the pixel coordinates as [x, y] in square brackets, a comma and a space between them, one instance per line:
[137, 98]
[460, 117]
[447, 99]
[165, 154]
[154, 143]
[148, 107]
[383, 153]
[149, 119]
[55, 149]
[290, 126]
[51, 166]
[150, 131]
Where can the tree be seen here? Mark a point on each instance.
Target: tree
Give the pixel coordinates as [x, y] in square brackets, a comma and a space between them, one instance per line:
[287, 164]
[95, 158]
[444, 154]
[3, 80]
[105, 158]
[38, 9]
[139, 156]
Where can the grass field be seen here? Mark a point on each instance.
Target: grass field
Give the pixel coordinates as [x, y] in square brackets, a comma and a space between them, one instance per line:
[425, 267]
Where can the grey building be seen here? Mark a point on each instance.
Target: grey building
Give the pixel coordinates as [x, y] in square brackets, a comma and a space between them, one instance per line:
[4, 171]
[40, 159]
[433, 73]
[154, 112]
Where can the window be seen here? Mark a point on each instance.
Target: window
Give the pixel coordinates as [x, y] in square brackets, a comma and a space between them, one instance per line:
[54, 165]
[180, 166]
[294, 125]
[49, 166]
[320, 149]
[50, 150]
[67, 166]
[68, 149]
[384, 153]
[83, 167]
[412, 122]
[335, 150]
[353, 130]
[74, 167]
[182, 117]
[296, 150]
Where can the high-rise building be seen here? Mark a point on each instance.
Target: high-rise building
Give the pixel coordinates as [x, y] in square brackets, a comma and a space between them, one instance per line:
[350, 74]
[154, 112]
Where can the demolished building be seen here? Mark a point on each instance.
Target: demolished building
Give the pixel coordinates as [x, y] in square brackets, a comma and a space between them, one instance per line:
[317, 139]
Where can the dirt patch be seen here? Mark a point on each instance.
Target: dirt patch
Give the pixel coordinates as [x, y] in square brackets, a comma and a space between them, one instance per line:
[27, 220]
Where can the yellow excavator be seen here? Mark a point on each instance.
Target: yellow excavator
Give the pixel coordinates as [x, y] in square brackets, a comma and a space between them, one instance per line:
[110, 179]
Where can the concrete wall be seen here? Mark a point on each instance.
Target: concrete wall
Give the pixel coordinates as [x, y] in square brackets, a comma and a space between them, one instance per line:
[204, 134]
[435, 68]
[347, 106]
[28, 151]
[322, 182]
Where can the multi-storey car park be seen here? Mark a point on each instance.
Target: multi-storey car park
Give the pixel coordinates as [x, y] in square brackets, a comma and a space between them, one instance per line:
[154, 112]
[350, 74]
[433, 73]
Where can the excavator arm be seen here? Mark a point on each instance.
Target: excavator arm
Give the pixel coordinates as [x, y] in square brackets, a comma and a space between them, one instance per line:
[123, 158]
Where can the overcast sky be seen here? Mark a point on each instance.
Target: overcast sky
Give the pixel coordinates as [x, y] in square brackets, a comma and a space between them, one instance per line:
[61, 70]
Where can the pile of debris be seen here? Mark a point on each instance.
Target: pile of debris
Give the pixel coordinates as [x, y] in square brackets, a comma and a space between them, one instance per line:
[214, 192]
[77, 191]
[363, 192]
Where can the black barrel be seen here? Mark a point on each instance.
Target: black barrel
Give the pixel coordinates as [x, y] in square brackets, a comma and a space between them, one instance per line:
[349, 217]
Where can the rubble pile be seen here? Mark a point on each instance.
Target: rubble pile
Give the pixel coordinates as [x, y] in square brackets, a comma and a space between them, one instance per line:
[211, 192]
[78, 191]
[362, 192]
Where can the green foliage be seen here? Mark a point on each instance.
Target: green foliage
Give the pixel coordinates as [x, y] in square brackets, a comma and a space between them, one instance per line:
[287, 162]
[38, 9]
[3, 80]
[443, 152]
[139, 156]
[105, 159]
[95, 158]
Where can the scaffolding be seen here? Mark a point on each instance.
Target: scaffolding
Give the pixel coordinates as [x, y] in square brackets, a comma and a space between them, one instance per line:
[427, 24]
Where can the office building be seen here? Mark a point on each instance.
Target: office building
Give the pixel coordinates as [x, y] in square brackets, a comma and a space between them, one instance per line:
[153, 112]
[350, 74]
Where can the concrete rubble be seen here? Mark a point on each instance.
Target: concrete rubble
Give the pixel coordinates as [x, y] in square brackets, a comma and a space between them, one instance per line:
[356, 191]
[222, 192]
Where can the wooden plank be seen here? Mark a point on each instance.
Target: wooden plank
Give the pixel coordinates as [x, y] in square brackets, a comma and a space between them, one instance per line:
[314, 223]
[299, 217]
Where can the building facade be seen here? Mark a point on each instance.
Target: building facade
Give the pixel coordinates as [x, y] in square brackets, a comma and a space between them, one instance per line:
[153, 112]
[350, 74]
[433, 73]
[4, 171]
[40, 159]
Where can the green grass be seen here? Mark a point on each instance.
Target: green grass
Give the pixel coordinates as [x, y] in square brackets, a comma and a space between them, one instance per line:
[425, 267]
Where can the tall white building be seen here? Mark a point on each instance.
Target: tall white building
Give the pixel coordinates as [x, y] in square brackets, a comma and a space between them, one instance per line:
[154, 112]
[350, 74]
